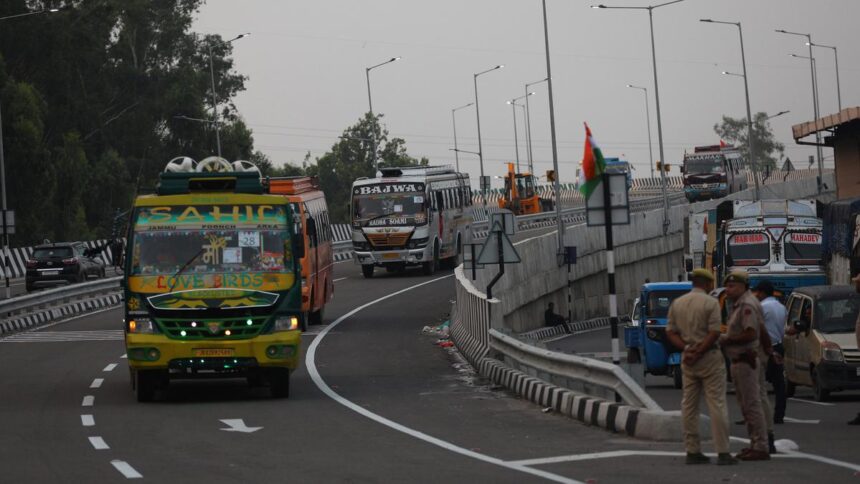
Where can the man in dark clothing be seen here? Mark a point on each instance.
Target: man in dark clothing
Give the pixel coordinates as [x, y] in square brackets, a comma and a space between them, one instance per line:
[552, 319]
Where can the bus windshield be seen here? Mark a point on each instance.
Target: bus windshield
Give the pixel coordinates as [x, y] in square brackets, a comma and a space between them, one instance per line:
[389, 209]
[802, 249]
[749, 249]
[702, 166]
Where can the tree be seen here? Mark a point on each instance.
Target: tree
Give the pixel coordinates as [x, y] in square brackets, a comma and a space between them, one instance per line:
[767, 151]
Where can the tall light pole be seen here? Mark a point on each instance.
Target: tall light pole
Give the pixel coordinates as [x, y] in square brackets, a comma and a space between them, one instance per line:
[750, 141]
[214, 95]
[513, 103]
[650, 10]
[556, 184]
[648, 123]
[836, 59]
[529, 125]
[370, 104]
[480, 146]
[5, 208]
[814, 100]
[454, 122]
[777, 114]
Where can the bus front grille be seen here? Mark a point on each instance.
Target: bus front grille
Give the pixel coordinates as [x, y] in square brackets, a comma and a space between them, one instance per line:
[388, 240]
[224, 329]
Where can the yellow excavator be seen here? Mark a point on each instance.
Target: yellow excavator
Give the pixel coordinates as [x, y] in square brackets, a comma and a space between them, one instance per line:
[521, 196]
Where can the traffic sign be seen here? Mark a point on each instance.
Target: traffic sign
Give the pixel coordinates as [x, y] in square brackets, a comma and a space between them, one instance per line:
[595, 212]
[8, 221]
[505, 219]
[491, 253]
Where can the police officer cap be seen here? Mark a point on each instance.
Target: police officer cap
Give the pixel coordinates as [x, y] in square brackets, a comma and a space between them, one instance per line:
[737, 276]
[703, 274]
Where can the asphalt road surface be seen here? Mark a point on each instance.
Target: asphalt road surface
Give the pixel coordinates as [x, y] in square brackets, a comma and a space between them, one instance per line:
[375, 401]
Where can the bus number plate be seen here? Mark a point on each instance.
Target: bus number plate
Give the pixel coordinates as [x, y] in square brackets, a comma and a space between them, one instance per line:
[213, 352]
[390, 256]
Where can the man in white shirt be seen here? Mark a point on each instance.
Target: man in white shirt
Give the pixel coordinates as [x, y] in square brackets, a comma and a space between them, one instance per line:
[774, 321]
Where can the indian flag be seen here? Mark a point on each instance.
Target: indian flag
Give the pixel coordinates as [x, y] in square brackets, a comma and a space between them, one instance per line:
[592, 165]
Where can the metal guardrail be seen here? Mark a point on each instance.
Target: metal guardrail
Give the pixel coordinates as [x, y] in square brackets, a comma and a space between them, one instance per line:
[42, 299]
[560, 365]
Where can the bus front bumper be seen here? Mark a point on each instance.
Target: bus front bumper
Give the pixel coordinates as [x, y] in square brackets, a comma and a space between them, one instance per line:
[407, 256]
[157, 351]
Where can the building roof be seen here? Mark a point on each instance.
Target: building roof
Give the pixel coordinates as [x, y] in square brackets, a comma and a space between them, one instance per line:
[829, 122]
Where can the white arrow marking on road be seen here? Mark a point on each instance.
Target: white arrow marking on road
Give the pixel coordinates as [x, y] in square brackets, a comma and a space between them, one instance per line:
[238, 425]
[800, 421]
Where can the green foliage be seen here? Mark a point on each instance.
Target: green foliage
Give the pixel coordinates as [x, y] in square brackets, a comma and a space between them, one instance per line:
[766, 149]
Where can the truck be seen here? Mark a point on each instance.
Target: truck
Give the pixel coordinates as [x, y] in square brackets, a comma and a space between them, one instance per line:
[212, 280]
[520, 194]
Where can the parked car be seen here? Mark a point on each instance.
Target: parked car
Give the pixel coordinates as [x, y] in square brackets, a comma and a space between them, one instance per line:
[62, 262]
[820, 347]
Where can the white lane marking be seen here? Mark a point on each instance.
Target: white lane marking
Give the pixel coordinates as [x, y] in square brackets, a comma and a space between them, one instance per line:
[88, 401]
[110, 367]
[97, 383]
[99, 443]
[616, 453]
[72, 318]
[340, 279]
[801, 421]
[813, 402]
[310, 363]
[87, 420]
[790, 448]
[238, 425]
[65, 336]
[124, 356]
[125, 469]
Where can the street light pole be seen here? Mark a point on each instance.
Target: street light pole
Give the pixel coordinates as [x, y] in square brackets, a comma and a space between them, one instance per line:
[454, 122]
[836, 60]
[650, 10]
[370, 106]
[556, 183]
[5, 207]
[750, 140]
[214, 95]
[480, 146]
[513, 103]
[529, 126]
[816, 113]
[648, 123]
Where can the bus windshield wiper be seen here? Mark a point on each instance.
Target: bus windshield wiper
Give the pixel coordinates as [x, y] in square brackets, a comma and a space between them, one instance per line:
[182, 269]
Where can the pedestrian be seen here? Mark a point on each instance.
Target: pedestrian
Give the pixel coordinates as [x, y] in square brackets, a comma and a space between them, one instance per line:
[741, 343]
[694, 327]
[774, 321]
[856, 281]
[550, 318]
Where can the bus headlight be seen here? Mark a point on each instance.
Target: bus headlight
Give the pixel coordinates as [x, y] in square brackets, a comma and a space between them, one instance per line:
[286, 323]
[141, 326]
[416, 243]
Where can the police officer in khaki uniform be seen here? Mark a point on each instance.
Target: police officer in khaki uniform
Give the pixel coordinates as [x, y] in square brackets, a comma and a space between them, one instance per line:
[741, 343]
[694, 326]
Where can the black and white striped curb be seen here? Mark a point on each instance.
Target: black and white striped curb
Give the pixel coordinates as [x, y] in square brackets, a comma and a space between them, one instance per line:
[614, 417]
[40, 317]
[576, 327]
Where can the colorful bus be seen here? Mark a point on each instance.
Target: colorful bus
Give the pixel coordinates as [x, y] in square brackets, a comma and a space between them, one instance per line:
[713, 172]
[408, 216]
[318, 262]
[212, 280]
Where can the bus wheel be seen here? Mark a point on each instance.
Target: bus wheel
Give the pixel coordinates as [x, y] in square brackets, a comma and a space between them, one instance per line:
[279, 382]
[430, 266]
[367, 271]
[146, 382]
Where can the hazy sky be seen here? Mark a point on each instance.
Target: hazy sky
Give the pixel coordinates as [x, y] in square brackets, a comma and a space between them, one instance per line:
[306, 61]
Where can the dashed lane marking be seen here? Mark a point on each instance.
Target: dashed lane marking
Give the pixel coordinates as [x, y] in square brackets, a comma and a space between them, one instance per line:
[88, 401]
[812, 402]
[110, 367]
[87, 420]
[801, 421]
[99, 443]
[323, 386]
[125, 469]
[97, 383]
[65, 336]
[340, 279]
[124, 356]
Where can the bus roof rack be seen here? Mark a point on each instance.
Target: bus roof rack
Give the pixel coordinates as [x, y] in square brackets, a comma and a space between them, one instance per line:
[395, 171]
[177, 183]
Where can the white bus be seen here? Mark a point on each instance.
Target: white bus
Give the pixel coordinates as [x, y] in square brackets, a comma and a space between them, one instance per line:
[411, 216]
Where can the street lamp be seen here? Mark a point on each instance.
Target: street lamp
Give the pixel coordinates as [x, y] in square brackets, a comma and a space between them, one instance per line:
[814, 98]
[648, 123]
[556, 184]
[513, 103]
[5, 208]
[480, 146]
[835, 58]
[454, 121]
[650, 10]
[370, 101]
[777, 114]
[750, 141]
[214, 96]
[529, 125]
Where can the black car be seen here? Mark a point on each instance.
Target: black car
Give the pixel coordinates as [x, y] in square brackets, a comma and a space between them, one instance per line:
[62, 262]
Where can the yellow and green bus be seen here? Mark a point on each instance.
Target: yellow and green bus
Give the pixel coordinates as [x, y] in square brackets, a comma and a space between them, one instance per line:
[212, 283]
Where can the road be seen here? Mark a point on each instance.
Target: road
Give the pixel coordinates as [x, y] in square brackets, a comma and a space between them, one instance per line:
[375, 401]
